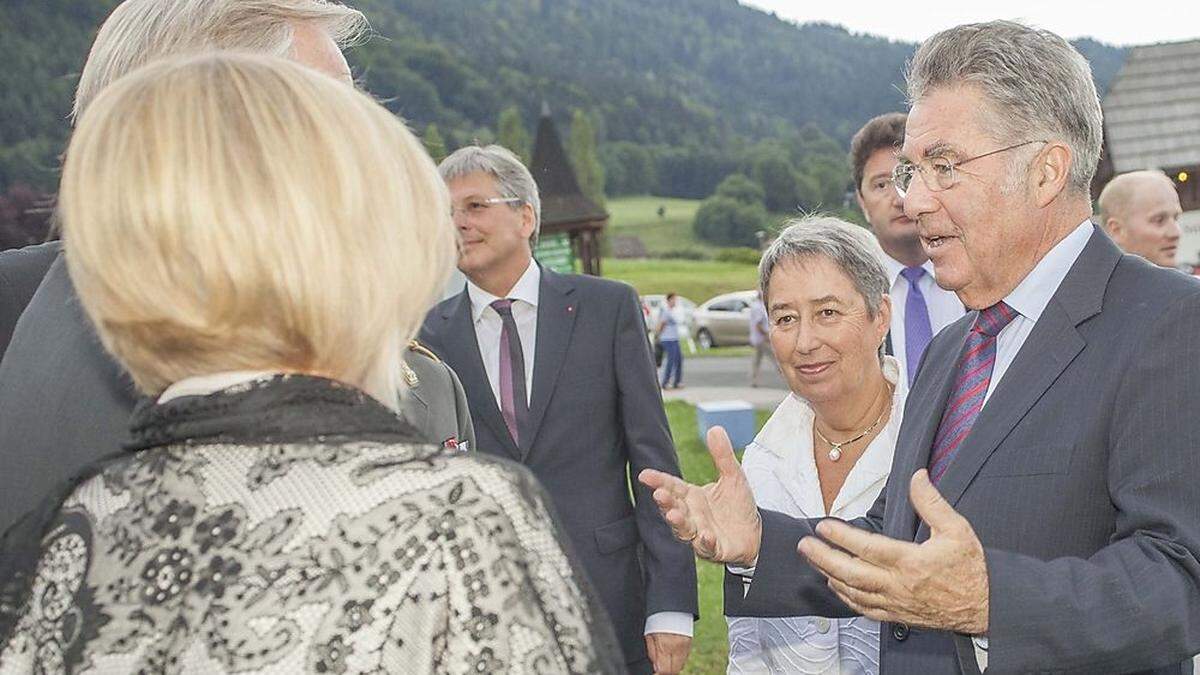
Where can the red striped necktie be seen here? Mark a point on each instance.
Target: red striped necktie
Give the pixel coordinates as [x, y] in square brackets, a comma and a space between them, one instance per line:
[970, 387]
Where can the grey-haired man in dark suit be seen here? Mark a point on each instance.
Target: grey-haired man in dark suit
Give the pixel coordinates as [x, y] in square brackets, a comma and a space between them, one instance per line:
[559, 377]
[1042, 512]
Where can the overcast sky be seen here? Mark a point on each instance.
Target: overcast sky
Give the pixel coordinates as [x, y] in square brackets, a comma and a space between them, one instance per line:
[1128, 22]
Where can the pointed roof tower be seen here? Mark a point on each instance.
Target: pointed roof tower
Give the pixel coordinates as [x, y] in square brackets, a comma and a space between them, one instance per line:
[565, 209]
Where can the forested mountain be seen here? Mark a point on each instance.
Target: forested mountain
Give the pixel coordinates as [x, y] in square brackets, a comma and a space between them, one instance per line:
[694, 89]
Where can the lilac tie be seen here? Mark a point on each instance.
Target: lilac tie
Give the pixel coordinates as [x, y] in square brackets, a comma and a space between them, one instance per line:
[917, 329]
[970, 386]
[513, 403]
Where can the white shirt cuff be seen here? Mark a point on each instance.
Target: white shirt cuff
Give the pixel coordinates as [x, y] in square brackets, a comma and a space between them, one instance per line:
[981, 651]
[743, 571]
[679, 623]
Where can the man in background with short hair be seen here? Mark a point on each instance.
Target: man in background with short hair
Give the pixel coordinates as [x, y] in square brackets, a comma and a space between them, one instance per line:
[920, 308]
[1140, 211]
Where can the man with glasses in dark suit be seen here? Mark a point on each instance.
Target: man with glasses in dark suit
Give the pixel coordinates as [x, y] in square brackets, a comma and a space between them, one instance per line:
[1041, 514]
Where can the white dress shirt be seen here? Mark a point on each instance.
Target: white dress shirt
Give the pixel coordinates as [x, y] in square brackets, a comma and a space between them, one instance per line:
[1031, 296]
[488, 325]
[944, 306]
[782, 473]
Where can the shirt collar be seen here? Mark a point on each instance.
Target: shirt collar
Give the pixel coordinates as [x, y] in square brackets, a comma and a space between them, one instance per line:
[526, 289]
[1031, 296]
[203, 385]
[894, 267]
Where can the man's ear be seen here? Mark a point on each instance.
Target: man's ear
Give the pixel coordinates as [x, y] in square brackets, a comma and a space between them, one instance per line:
[1116, 230]
[528, 220]
[1051, 171]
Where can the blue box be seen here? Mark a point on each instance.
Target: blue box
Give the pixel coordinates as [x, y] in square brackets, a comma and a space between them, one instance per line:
[736, 416]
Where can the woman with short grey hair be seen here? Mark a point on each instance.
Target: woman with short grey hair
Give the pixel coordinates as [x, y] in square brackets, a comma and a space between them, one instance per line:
[825, 292]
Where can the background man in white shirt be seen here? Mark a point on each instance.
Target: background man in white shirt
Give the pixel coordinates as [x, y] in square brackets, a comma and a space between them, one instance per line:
[559, 377]
[920, 308]
[1140, 211]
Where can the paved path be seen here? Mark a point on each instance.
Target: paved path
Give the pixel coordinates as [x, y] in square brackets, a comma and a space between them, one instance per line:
[727, 378]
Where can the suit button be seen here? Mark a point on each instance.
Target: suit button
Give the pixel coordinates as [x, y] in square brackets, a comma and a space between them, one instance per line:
[900, 632]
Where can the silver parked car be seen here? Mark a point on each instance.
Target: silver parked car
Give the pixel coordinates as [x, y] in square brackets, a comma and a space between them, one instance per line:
[723, 321]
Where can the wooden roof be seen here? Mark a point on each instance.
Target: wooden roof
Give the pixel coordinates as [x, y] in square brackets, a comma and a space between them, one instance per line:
[1152, 110]
[564, 206]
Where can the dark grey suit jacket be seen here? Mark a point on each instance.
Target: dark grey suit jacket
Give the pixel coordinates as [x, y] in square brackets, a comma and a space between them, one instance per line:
[1080, 477]
[65, 403]
[21, 270]
[596, 416]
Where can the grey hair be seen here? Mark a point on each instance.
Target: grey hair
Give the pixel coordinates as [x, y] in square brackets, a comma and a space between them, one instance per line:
[852, 248]
[1040, 87]
[140, 31]
[513, 179]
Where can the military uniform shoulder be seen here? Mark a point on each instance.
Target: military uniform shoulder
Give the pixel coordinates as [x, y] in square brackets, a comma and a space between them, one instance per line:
[418, 348]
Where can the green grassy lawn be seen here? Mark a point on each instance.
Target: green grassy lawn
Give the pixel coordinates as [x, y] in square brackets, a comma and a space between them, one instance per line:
[638, 217]
[710, 649]
[697, 280]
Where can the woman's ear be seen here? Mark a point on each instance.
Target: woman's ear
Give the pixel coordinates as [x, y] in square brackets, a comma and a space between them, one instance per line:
[883, 318]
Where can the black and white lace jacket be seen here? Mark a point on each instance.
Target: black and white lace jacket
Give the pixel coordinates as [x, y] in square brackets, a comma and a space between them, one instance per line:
[289, 525]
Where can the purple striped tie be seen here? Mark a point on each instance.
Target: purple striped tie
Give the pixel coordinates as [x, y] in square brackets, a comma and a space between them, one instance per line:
[970, 387]
[514, 405]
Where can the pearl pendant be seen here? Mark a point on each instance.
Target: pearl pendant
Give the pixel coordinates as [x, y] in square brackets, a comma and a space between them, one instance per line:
[835, 453]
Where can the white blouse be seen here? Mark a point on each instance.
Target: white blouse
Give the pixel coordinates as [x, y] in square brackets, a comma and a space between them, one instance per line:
[782, 472]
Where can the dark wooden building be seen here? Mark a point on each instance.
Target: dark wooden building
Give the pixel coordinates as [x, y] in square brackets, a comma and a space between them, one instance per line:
[1152, 119]
[568, 216]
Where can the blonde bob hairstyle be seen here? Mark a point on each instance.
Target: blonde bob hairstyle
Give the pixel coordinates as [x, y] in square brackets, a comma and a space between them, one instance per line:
[235, 212]
[140, 31]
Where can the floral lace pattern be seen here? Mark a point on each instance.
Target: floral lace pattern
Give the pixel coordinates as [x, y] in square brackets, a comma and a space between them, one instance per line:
[360, 557]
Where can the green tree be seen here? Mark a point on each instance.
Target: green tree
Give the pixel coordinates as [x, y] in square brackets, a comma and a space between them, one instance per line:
[628, 169]
[512, 133]
[775, 173]
[727, 222]
[581, 147]
[740, 188]
[435, 145]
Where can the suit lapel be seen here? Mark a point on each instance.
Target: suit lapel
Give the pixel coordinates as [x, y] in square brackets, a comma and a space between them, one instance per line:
[1051, 346]
[917, 431]
[1047, 352]
[462, 351]
[557, 308]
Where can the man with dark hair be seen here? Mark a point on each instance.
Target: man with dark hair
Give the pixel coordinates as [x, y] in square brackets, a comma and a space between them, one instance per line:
[920, 308]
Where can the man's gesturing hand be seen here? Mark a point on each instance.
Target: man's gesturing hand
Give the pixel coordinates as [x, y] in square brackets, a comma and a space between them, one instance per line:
[941, 583]
[720, 519]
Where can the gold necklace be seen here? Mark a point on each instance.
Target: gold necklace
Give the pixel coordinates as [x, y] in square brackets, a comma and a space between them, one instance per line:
[835, 449]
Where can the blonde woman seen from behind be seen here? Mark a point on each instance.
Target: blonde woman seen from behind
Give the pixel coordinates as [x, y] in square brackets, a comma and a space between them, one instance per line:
[258, 271]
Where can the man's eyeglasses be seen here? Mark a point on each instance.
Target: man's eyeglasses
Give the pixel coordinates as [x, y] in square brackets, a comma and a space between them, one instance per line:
[476, 207]
[939, 173]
